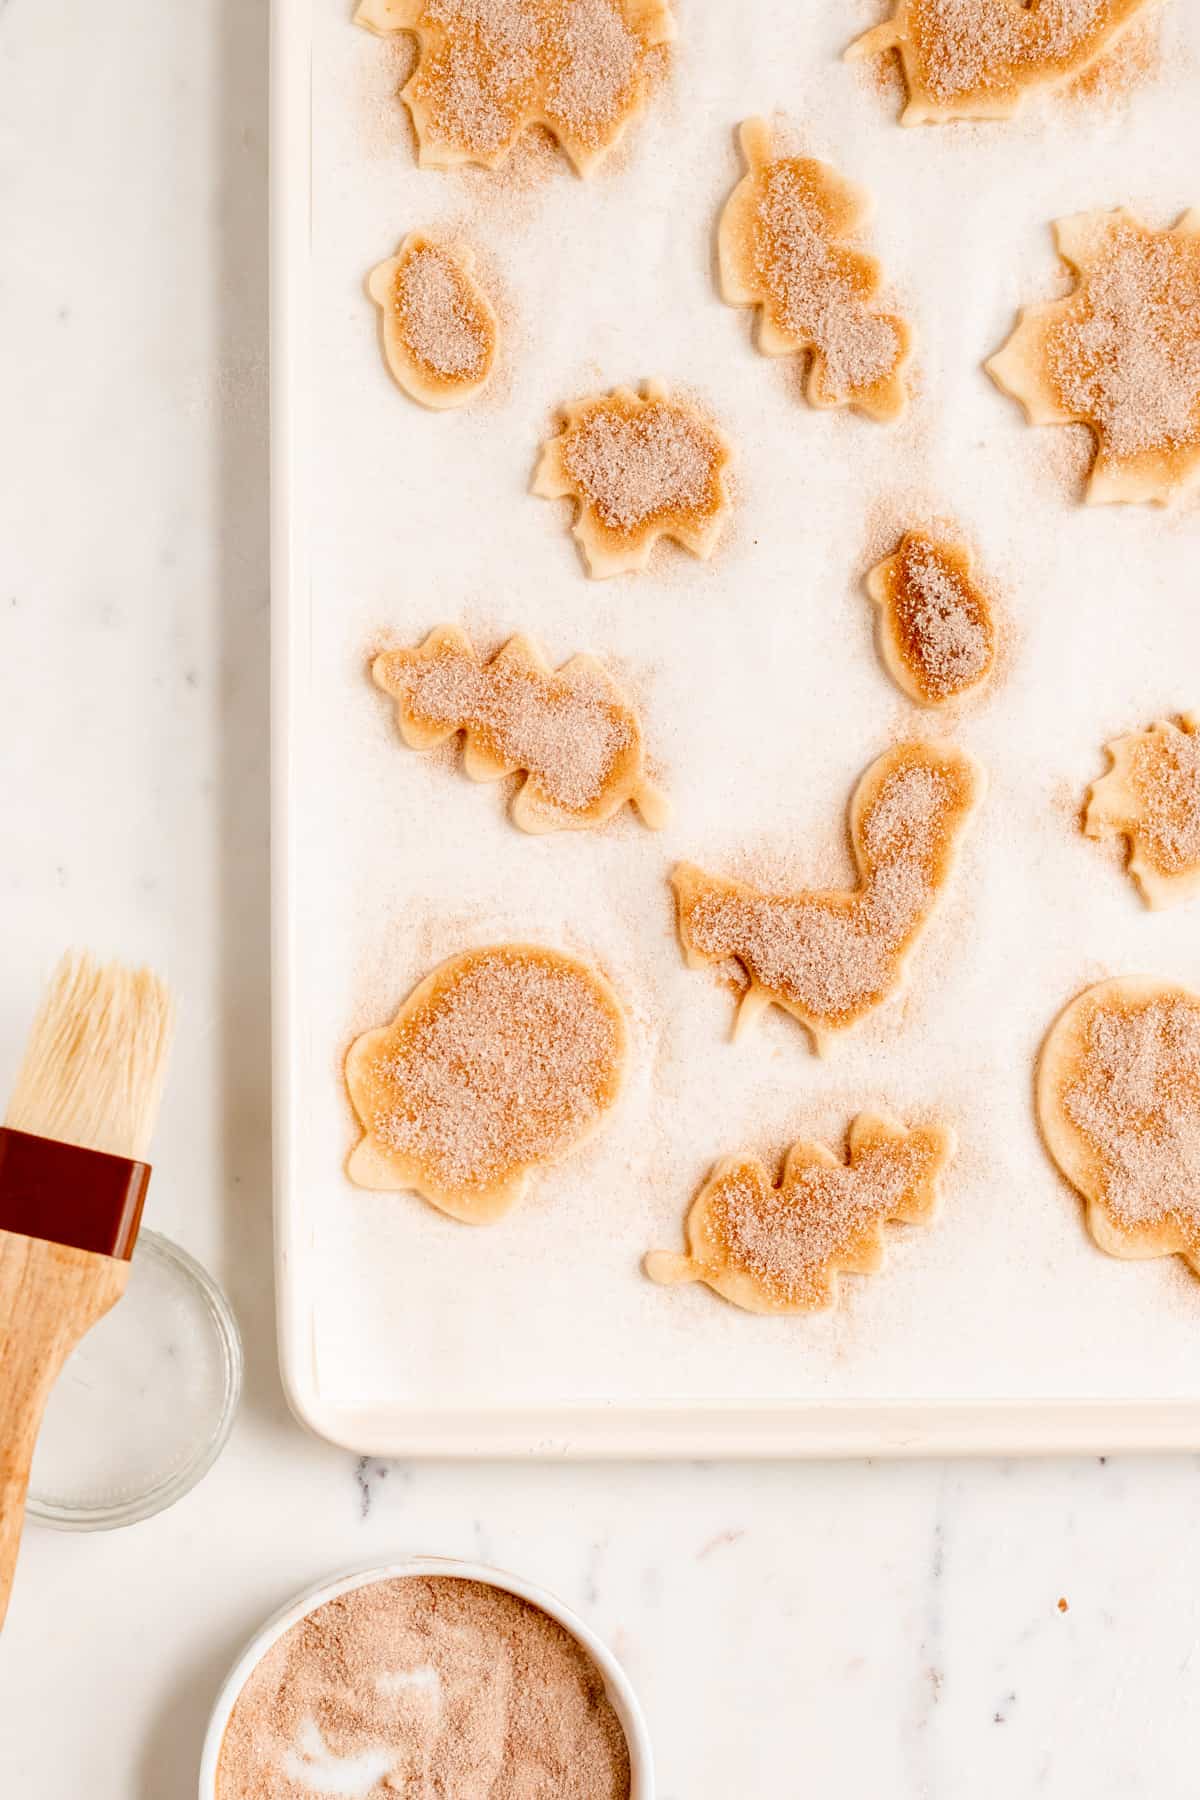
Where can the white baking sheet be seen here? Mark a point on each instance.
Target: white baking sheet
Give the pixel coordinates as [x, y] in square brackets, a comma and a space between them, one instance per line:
[1002, 1327]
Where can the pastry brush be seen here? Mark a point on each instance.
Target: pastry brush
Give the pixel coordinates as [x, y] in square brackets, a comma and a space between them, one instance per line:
[73, 1179]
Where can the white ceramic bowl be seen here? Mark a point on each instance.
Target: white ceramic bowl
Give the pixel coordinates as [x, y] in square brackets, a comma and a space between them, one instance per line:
[616, 1682]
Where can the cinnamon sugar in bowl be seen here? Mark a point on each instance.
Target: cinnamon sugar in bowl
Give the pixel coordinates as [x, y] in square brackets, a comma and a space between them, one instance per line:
[429, 1676]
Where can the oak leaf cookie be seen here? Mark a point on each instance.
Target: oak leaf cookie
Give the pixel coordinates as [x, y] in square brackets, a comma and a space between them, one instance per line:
[1151, 796]
[639, 467]
[831, 957]
[572, 732]
[1118, 1100]
[779, 1249]
[489, 70]
[781, 246]
[1121, 353]
[439, 329]
[975, 59]
[937, 633]
[502, 1060]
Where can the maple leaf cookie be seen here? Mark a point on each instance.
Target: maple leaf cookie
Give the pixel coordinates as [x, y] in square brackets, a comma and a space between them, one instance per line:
[831, 957]
[489, 70]
[639, 467]
[781, 247]
[975, 59]
[502, 1060]
[439, 330]
[1118, 1100]
[937, 635]
[780, 1248]
[1151, 796]
[571, 731]
[1121, 353]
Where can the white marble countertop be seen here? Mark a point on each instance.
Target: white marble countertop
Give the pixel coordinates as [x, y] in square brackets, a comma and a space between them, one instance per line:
[886, 1629]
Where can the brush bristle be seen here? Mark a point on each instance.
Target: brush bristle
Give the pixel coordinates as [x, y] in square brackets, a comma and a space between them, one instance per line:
[96, 1059]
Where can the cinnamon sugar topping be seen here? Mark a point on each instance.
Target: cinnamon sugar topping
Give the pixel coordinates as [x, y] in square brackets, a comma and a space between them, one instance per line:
[634, 466]
[1151, 796]
[1126, 355]
[573, 732]
[1121, 353]
[434, 314]
[502, 1059]
[640, 467]
[1130, 1087]
[937, 631]
[1166, 774]
[778, 1249]
[439, 331]
[425, 1686]
[782, 247]
[974, 59]
[829, 958]
[488, 70]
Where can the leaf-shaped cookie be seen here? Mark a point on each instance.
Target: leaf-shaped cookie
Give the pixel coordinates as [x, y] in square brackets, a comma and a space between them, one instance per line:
[489, 70]
[1151, 796]
[779, 1249]
[1121, 353]
[975, 59]
[782, 246]
[502, 1060]
[831, 957]
[572, 730]
[639, 467]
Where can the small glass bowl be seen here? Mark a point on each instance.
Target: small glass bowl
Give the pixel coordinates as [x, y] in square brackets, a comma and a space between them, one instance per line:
[144, 1403]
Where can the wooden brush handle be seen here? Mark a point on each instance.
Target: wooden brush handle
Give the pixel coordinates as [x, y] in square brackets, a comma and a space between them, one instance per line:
[50, 1295]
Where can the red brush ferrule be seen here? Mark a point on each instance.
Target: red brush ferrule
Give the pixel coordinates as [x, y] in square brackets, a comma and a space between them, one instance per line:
[68, 1195]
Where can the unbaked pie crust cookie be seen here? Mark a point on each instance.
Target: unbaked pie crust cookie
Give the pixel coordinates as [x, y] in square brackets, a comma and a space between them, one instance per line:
[831, 957]
[571, 731]
[501, 1061]
[779, 1248]
[1120, 353]
[783, 247]
[639, 467]
[1118, 1100]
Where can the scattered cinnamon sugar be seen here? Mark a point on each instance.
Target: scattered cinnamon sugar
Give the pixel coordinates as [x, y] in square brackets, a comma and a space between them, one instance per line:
[431, 1686]
[1065, 458]
[1134, 1094]
[832, 956]
[1125, 355]
[490, 69]
[791, 1238]
[884, 74]
[508, 1060]
[437, 315]
[937, 620]
[906, 506]
[638, 465]
[511, 187]
[1132, 62]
